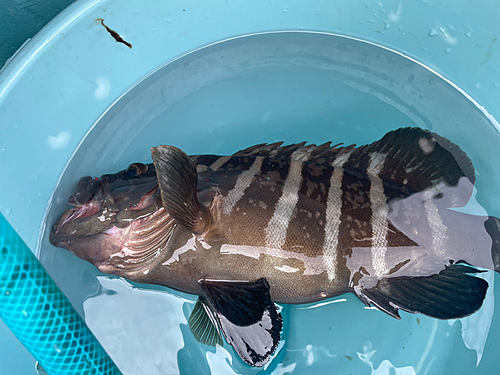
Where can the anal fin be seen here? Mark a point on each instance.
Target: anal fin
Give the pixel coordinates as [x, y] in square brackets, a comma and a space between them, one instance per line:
[452, 294]
[247, 317]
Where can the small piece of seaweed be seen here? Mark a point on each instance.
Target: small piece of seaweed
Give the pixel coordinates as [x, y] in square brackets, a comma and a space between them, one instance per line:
[114, 34]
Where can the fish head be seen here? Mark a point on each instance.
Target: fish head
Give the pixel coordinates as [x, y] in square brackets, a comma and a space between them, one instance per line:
[106, 215]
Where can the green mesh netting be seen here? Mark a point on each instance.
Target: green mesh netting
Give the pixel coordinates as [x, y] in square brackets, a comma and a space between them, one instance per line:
[41, 317]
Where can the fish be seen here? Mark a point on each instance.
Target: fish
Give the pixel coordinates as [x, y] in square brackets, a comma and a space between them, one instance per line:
[301, 223]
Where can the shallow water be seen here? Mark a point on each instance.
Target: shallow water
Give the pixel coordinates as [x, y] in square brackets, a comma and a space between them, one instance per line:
[264, 88]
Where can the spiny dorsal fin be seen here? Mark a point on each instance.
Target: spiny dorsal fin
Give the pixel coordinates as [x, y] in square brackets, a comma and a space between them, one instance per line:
[178, 179]
[324, 153]
[413, 160]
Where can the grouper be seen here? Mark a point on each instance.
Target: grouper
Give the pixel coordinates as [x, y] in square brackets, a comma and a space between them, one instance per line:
[291, 224]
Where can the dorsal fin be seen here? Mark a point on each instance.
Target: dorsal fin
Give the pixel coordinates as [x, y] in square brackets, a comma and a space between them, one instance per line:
[413, 160]
[420, 150]
[322, 154]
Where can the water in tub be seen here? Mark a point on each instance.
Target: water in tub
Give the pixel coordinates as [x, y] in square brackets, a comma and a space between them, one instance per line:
[289, 87]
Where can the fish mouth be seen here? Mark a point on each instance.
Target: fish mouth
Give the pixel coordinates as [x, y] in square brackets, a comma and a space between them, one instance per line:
[77, 212]
[67, 227]
[85, 201]
[99, 204]
[97, 216]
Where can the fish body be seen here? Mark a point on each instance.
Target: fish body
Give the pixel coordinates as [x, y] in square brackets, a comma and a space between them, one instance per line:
[293, 224]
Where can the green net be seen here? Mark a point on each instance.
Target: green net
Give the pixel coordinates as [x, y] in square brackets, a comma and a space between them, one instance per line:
[41, 317]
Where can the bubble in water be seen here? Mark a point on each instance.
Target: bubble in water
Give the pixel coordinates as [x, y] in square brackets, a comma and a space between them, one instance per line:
[432, 32]
[8, 211]
[448, 50]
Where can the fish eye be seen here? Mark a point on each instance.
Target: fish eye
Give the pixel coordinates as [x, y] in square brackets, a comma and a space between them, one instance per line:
[131, 171]
[135, 170]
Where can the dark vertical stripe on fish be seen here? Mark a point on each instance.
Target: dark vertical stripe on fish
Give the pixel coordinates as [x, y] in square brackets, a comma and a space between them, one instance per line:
[306, 229]
[242, 183]
[355, 225]
[268, 187]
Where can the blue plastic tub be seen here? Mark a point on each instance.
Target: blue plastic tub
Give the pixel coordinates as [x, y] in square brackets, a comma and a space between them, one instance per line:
[215, 77]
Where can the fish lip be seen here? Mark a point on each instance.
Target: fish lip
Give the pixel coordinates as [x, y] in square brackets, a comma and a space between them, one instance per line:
[54, 236]
[85, 210]
[77, 212]
[66, 218]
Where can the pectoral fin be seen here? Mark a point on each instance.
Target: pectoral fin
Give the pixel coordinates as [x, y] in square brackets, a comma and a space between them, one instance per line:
[177, 179]
[247, 317]
[452, 294]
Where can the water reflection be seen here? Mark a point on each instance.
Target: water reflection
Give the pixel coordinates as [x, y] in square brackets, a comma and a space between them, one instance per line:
[385, 367]
[145, 331]
[282, 369]
[139, 328]
[475, 328]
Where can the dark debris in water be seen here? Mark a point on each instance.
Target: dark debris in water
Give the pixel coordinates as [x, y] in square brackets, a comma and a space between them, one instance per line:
[114, 34]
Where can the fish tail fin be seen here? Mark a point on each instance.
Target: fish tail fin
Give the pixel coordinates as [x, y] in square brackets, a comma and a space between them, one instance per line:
[492, 226]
